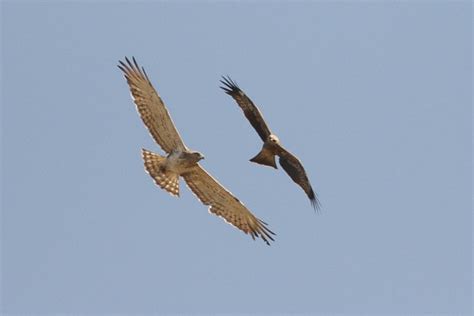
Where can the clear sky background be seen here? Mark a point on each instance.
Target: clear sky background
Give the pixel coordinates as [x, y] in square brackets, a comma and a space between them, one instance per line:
[373, 97]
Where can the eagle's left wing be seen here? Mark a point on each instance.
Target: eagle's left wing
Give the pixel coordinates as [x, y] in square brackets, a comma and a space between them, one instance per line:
[222, 203]
[151, 108]
[295, 170]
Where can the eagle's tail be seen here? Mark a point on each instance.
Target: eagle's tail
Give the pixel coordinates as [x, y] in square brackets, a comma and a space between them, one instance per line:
[155, 166]
[265, 157]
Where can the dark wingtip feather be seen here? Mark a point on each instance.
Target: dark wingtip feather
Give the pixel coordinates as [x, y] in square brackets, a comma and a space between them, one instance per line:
[122, 65]
[146, 76]
[261, 221]
[314, 201]
[264, 232]
[137, 67]
[121, 68]
[229, 85]
[128, 61]
[253, 235]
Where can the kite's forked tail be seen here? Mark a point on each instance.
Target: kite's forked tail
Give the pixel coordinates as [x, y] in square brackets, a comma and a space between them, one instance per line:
[155, 166]
[265, 157]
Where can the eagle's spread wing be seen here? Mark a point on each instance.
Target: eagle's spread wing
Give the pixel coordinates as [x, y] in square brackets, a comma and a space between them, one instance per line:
[251, 111]
[295, 170]
[151, 108]
[222, 203]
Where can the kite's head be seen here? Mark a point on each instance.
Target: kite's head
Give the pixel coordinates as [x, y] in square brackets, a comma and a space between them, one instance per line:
[273, 139]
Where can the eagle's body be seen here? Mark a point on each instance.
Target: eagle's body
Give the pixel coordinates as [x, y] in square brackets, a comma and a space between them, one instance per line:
[182, 162]
[167, 170]
[179, 162]
[271, 144]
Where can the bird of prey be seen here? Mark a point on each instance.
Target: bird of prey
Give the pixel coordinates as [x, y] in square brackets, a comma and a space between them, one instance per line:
[271, 144]
[181, 161]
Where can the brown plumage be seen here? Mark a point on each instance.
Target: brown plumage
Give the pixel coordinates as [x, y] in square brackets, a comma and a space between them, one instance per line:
[271, 144]
[182, 162]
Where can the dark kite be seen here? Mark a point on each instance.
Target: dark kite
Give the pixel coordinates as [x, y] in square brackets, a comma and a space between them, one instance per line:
[271, 144]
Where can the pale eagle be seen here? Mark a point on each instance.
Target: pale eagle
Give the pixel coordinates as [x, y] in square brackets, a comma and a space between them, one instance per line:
[181, 161]
[271, 144]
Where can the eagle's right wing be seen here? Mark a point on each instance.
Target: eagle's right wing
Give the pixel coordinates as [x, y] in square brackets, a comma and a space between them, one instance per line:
[252, 113]
[151, 108]
[222, 203]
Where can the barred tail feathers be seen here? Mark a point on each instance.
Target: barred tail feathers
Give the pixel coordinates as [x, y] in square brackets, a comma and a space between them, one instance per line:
[154, 166]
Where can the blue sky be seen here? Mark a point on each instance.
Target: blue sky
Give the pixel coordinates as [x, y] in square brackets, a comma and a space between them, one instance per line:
[374, 97]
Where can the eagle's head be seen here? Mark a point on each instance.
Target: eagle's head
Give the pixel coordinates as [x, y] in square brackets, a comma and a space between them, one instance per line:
[273, 139]
[197, 156]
